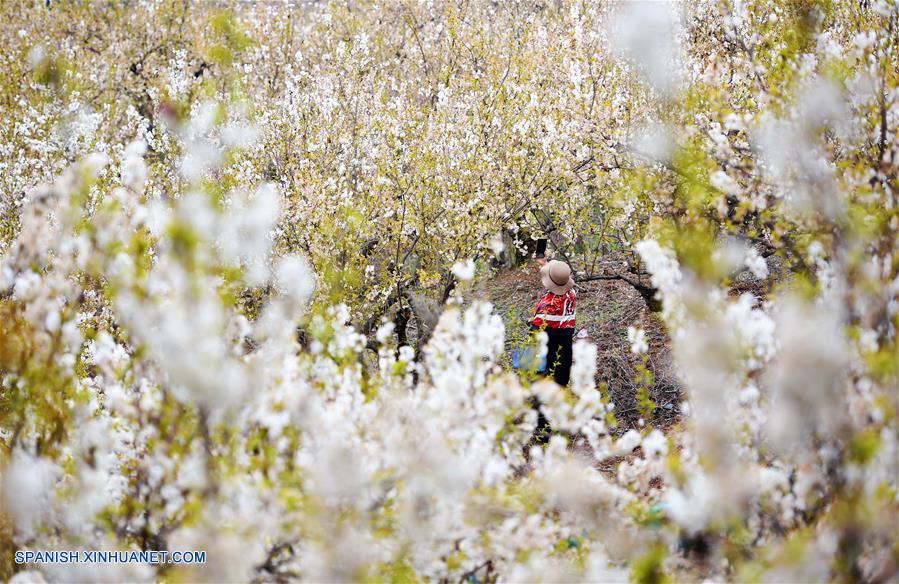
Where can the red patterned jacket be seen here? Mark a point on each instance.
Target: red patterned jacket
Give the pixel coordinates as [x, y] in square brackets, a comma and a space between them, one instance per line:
[555, 312]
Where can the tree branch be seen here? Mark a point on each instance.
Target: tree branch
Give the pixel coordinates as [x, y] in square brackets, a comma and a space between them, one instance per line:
[647, 292]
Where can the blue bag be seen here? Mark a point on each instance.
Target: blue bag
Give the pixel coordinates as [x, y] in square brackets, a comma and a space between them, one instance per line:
[526, 358]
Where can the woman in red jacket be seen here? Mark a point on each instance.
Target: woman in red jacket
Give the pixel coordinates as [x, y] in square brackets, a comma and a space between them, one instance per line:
[555, 314]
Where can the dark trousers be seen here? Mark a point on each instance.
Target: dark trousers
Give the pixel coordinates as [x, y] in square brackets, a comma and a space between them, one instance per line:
[543, 430]
[558, 354]
[558, 364]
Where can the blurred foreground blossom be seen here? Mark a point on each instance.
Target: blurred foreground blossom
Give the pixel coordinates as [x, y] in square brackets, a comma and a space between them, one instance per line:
[647, 33]
[464, 270]
[637, 338]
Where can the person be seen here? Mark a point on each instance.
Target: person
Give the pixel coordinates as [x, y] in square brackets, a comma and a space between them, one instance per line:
[555, 314]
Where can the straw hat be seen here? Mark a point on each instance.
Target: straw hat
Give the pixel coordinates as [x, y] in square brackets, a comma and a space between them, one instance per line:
[556, 277]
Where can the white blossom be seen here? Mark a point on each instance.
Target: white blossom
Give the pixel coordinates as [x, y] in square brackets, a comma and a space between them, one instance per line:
[637, 338]
[464, 270]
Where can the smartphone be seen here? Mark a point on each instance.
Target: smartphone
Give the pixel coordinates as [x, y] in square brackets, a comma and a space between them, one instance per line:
[541, 248]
